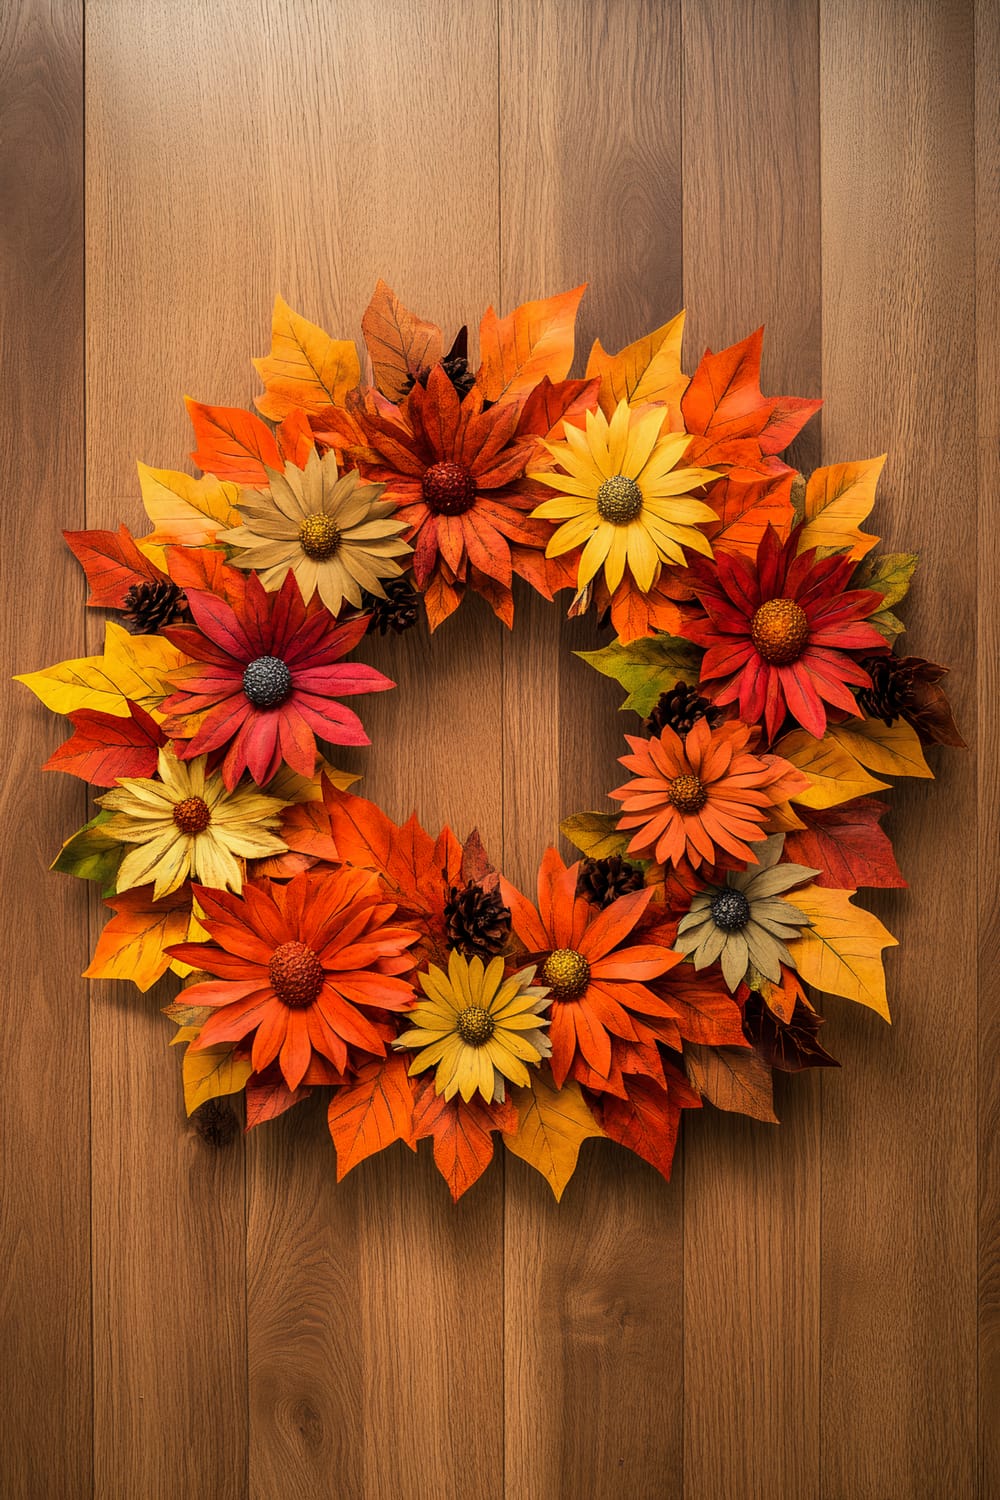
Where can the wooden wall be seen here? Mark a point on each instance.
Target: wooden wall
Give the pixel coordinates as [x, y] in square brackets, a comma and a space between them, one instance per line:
[805, 1311]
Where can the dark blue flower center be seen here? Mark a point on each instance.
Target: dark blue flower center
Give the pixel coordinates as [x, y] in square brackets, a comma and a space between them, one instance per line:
[730, 911]
[267, 682]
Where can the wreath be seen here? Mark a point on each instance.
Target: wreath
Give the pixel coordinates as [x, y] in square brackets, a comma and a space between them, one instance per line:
[324, 947]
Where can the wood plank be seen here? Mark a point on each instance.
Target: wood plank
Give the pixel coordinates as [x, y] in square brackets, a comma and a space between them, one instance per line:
[899, 1161]
[751, 1243]
[590, 161]
[45, 1417]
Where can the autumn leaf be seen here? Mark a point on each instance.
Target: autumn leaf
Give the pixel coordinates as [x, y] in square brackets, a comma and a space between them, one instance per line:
[746, 509]
[295, 438]
[206, 569]
[595, 833]
[552, 1125]
[549, 409]
[132, 669]
[269, 1097]
[462, 1133]
[847, 845]
[838, 499]
[112, 563]
[536, 339]
[841, 952]
[134, 943]
[104, 747]
[91, 855]
[732, 1079]
[306, 368]
[401, 345]
[369, 1114]
[635, 615]
[212, 1073]
[888, 749]
[646, 667]
[889, 575]
[723, 398]
[834, 774]
[648, 370]
[705, 1012]
[232, 443]
[184, 510]
[646, 1122]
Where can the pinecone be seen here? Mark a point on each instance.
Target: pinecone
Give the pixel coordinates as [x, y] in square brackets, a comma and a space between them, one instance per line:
[215, 1122]
[906, 687]
[602, 881]
[397, 612]
[150, 606]
[787, 1045]
[477, 921]
[455, 365]
[679, 709]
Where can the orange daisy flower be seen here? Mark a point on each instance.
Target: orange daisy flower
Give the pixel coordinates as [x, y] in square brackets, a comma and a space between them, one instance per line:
[701, 796]
[308, 967]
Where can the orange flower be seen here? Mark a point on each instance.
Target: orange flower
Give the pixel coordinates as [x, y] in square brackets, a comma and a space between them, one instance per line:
[701, 795]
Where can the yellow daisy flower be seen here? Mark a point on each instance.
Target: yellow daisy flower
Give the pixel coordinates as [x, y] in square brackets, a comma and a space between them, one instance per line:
[622, 498]
[335, 533]
[187, 824]
[477, 1028]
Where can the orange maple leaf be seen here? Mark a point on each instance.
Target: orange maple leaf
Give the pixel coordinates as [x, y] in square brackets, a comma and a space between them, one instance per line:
[369, 1114]
[536, 339]
[462, 1133]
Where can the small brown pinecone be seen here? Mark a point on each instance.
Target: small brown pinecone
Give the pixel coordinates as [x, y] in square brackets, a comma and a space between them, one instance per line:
[150, 606]
[791, 1045]
[679, 709]
[477, 921]
[215, 1122]
[602, 881]
[398, 611]
[455, 365]
[906, 687]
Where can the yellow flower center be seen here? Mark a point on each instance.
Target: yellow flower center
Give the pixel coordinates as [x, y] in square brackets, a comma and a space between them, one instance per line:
[319, 536]
[687, 794]
[475, 1025]
[619, 500]
[296, 975]
[780, 631]
[567, 973]
[192, 815]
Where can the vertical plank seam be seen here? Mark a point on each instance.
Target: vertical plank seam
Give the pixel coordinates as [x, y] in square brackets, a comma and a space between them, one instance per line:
[980, 699]
[504, 741]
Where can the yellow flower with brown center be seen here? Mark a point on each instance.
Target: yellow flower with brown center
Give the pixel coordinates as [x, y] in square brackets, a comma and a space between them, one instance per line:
[333, 531]
[622, 498]
[185, 824]
[477, 1028]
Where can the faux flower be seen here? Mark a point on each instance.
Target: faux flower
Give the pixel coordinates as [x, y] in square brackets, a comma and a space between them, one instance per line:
[705, 794]
[781, 636]
[336, 534]
[311, 966]
[187, 825]
[747, 920]
[476, 1028]
[595, 974]
[264, 680]
[622, 497]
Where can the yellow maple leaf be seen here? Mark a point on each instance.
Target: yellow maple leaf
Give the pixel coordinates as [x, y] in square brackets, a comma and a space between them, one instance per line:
[841, 952]
[834, 774]
[889, 750]
[131, 666]
[212, 1073]
[838, 498]
[306, 369]
[186, 511]
[552, 1126]
[648, 370]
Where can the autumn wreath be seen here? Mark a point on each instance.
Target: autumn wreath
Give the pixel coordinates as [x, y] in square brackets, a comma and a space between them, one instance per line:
[322, 946]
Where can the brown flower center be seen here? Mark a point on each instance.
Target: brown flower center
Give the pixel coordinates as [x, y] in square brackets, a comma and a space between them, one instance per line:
[687, 794]
[475, 1025]
[567, 973]
[319, 536]
[296, 975]
[780, 631]
[449, 489]
[619, 500]
[192, 815]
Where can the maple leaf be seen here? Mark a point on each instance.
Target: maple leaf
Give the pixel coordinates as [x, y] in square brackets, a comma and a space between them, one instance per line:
[888, 749]
[268, 1096]
[552, 1125]
[646, 1122]
[647, 371]
[212, 1073]
[724, 399]
[536, 339]
[132, 669]
[134, 943]
[306, 368]
[462, 1133]
[295, 438]
[646, 667]
[550, 408]
[206, 569]
[732, 1079]
[232, 443]
[834, 774]
[402, 346]
[185, 510]
[369, 1114]
[838, 498]
[104, 746]
[112, 563]
[705, 1011]
[635, 615]
[747, 509]
[846, 845]
[841, 951]
[595, 834]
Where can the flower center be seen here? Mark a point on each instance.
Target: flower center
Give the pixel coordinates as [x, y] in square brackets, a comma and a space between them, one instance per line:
[296, 975]
[267, 682]
[619, 500]
[449, 489]
[687, 794]
[192, 815]
[780, 631]
[730, 911]
[567, 973]
[319, 536]
[475, 1025]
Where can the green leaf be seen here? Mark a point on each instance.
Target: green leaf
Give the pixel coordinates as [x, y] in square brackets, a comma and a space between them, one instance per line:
[889, 575]
[91, 855]
[595, 834]
[647, 667]
[887, 624]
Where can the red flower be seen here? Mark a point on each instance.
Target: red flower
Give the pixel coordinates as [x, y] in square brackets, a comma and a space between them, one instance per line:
[265, 680]
[306, 967]
[781, 636]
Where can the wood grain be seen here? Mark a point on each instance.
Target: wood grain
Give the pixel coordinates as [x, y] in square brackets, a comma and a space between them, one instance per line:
[45, 1413]
[752, 1212]
[899, 1161]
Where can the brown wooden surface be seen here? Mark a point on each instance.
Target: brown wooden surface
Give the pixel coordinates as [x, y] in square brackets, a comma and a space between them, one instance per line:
[795, 1316]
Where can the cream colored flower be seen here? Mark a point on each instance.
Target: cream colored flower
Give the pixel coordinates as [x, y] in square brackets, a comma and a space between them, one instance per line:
[185, 824]
[334, 532]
